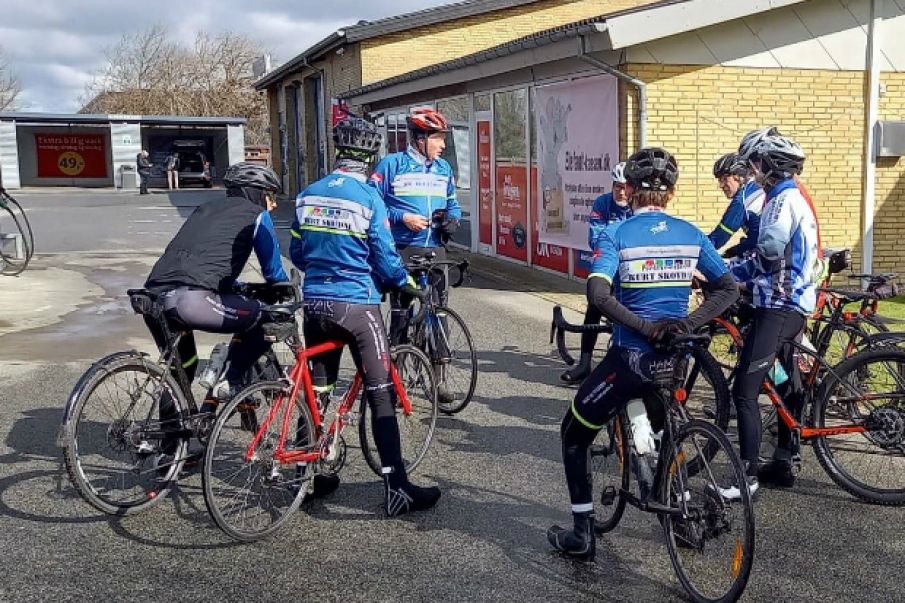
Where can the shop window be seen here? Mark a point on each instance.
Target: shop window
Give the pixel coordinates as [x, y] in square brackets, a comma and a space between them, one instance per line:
[510, 121]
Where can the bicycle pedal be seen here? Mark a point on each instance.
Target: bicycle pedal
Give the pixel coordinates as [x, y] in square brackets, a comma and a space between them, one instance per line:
[608, 496]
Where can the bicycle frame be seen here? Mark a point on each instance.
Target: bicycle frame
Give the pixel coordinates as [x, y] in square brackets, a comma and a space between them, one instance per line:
[300, 380]
[810, 380]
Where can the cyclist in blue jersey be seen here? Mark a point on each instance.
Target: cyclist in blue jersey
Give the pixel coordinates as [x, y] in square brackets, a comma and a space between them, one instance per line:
[341, 240]
[420, 194]
[640, 279]
[607, 209]
[746, 200]
[781, 278]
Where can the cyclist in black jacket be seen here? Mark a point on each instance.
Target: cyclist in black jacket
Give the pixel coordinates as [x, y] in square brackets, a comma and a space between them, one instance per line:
[195, 277]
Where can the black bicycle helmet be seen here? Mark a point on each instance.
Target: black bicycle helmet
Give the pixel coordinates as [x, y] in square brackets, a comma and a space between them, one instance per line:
[357, 134]
[779, 156]
[652, 168]
[251, 175]
[730, 165]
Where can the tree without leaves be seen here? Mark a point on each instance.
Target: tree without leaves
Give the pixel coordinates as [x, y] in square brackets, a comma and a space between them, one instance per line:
[9, 84]
[149, 74]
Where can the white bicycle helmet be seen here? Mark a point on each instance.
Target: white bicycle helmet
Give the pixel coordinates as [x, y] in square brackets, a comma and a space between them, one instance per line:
[779, 156]
[618, 173]
[751, 140]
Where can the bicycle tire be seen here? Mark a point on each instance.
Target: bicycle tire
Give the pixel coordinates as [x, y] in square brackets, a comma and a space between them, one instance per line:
[269, 483]
[117, 439]
[854, 372]
[606, 453]
[422, 391]
[14, 267]
[709, 517]
[469, 357]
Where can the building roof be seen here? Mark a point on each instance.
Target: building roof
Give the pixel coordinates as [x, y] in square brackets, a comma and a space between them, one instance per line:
[97, 118]
[364, 30]
[621, 28]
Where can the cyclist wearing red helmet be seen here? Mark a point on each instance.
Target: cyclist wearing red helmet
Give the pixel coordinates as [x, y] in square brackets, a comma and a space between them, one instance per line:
[419, 190]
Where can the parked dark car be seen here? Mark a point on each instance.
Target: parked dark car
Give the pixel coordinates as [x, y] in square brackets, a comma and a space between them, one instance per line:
[194, 168]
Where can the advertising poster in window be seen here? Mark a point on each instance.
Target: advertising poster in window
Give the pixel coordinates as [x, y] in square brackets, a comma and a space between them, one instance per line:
[512, 210]
[577, 145]
[71, 155]
[552, 257]
[485, 185]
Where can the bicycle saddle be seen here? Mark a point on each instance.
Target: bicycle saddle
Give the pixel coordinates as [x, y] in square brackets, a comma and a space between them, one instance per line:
[144, 302]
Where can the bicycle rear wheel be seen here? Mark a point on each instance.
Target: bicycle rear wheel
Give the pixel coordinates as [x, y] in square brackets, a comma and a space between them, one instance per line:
[14, 221]
[868, 391]
[710, 538]
[123, 440]
[248, 491]
[416, 430]
[452, 351]
[610, 472]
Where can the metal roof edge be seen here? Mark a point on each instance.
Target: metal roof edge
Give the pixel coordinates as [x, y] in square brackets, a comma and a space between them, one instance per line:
[87, 118]
[309, 54]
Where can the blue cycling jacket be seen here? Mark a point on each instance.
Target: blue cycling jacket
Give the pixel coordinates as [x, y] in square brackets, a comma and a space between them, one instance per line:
[743, 212]
[410, 185]
[341, 241]
[650, 260]
[604, 212]
[784, 272]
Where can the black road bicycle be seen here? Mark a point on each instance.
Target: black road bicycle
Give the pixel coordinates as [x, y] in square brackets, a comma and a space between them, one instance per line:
[15, 226]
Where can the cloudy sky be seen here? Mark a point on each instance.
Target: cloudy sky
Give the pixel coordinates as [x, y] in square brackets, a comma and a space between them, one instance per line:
[56, 46]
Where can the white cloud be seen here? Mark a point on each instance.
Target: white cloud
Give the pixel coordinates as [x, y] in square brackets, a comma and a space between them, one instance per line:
[55, 46]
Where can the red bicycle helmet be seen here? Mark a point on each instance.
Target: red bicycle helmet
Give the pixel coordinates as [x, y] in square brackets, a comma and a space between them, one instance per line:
[427, 120]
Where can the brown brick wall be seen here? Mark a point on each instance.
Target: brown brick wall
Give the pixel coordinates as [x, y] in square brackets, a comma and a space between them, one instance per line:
[701, 112]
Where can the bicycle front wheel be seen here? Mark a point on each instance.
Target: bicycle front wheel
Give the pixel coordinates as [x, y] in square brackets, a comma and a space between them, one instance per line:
[250, 492]
[710, 537]
[452, 352]
[416, 428]
[867, 392]
[610, 472]
[123, 438]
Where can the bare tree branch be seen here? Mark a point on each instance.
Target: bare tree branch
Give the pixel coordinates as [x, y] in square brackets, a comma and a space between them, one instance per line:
[147, 74]
[9, 84]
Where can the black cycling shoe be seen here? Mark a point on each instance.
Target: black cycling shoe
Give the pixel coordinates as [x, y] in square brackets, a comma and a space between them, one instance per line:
[407, 498]
[777, 472]
[323, 484]
[578, 542]
[579, 373]
[443, 395]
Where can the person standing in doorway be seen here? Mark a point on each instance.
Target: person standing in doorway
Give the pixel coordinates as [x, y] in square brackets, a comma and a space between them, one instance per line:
[173, 171]
[144, 170]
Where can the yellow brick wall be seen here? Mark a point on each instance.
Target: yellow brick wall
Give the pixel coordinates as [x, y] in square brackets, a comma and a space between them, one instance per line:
[889, 219]
[406, 51]
[701, 112]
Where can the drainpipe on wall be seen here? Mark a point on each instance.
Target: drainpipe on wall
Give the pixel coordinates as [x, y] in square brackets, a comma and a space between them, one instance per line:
[870, 147]
[641, 86]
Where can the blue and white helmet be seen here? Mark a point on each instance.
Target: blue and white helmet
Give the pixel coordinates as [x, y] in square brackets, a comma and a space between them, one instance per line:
[618, 173]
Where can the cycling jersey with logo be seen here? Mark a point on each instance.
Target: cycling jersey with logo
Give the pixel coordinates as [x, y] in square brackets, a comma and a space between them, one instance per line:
[782, 274]
[650, 260]
[341, 241]
[743, 212]
[604, 212]
[411, 185]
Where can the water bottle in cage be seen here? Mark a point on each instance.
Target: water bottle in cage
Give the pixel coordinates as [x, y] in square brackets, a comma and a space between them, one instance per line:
[215, 366]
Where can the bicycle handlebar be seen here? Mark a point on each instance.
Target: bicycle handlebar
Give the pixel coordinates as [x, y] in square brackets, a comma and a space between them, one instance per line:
[558, 330]
[426, 265]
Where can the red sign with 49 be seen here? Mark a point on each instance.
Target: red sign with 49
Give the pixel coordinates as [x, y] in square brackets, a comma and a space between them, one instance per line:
[71, 155]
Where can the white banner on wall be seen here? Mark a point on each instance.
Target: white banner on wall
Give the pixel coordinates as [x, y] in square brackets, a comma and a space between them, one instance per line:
[577, 146]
